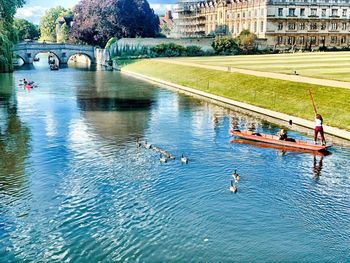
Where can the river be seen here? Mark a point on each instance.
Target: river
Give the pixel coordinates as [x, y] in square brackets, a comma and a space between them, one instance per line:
[74, 186]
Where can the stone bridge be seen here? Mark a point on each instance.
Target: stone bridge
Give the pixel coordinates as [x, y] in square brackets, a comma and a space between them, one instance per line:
[27, 51]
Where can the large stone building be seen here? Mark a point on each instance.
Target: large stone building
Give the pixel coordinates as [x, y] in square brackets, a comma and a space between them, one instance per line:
[281, 23]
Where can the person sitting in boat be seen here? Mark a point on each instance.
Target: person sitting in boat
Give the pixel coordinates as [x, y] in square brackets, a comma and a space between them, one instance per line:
[25, 82]
[283, 135]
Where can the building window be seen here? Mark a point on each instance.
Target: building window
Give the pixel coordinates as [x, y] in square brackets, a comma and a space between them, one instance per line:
[301, 40]
[29, 55]
[334, 12]
[302, 26]
[243, 15]
[343, 26]
[291, 40]
[238, 15]
[291, 26]
[262, 26]
[313, 26]
[323, 26]
[313, 40]
[291, 12]
[323, 40]
[279, 40]
[343, 40]
[333, 39]
[280, 26]
[324, 12]
[344, 12]
[313, 12]
[255, 27]
[280, 11]
[262, 12]
[334, 26]
[302, 12]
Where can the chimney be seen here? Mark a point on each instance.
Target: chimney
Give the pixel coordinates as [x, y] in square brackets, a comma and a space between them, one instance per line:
[168, 14]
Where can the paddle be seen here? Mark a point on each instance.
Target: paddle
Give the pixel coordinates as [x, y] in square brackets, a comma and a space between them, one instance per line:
[312, 100]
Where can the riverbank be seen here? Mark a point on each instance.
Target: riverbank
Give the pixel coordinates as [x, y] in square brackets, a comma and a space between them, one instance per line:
[280, 99]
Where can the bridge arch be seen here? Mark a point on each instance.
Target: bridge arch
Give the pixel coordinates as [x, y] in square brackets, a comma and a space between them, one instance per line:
[45, 51]
[74, 53]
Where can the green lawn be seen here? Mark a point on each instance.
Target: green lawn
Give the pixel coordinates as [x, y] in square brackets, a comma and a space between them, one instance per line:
[325, 65]
[278, 95]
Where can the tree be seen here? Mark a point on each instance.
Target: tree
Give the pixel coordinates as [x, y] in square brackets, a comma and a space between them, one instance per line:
[48, 23]
[246, 41]
[225, 45]
[96, 21]
[25, 29]
[7, 33]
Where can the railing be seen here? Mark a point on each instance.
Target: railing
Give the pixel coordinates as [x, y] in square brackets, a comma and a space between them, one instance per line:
[48, 46]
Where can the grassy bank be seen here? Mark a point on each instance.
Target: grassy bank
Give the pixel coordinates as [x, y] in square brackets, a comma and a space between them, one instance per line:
[324, 65]
[278, 95]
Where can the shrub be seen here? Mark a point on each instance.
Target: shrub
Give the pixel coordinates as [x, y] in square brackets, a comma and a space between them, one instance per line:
[225, 45]
[194, 51]
[168, 50]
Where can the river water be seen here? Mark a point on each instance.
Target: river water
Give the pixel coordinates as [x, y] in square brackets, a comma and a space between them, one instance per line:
[74, 186]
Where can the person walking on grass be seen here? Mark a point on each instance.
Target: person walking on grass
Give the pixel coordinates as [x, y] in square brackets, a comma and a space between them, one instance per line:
[319, 129]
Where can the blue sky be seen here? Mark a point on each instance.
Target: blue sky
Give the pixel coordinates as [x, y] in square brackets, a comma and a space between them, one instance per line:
[34, 9]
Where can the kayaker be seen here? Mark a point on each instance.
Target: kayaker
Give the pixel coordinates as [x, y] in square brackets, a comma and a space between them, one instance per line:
[319, 129]
[25, 82]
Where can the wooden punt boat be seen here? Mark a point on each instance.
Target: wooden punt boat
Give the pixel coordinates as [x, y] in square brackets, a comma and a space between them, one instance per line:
[274, 140]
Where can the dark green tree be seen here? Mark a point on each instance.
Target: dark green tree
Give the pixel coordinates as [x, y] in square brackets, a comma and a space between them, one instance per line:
[7, 32]
[25, 29]
[225, 45]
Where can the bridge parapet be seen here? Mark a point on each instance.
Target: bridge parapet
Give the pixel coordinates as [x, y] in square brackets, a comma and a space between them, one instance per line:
[28, 51]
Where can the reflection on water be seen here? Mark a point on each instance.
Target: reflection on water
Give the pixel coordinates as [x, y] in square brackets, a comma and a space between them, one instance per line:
[317, 167]
[14, 141]
[75, 188]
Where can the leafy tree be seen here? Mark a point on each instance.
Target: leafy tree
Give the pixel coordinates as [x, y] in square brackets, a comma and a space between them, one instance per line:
[246, 41]
[48, 23]
[7, 32]
[96, 21]
[225, 45]
[8, 9]
[25, 29]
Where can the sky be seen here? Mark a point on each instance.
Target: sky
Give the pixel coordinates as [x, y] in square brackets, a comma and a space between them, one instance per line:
[34, 9]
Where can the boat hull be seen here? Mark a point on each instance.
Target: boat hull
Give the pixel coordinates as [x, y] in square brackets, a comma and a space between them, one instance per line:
[274, 140]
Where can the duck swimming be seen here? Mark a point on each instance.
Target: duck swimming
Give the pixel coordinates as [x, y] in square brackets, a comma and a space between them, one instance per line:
[138, 143]
[163, 159]
[233, 188]
[184, 159]
[147, 145]
[235, 176]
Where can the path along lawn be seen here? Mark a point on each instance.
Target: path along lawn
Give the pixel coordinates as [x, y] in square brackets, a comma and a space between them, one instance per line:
[278, 95]
[324, 65]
